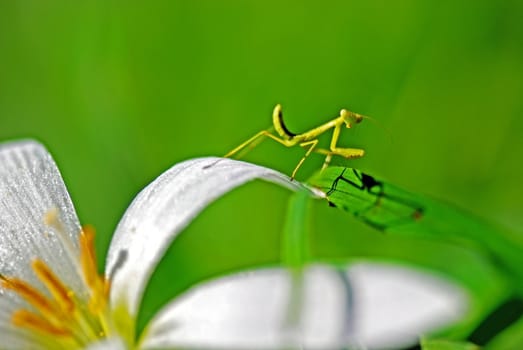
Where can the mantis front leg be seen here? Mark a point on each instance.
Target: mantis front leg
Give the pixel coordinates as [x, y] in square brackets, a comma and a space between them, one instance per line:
[348, 153]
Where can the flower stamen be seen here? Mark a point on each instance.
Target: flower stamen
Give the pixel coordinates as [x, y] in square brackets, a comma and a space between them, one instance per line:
[60, 293]
[27, 319]
[97, 284]
[58, 314]
[31, 295]
[87, 256]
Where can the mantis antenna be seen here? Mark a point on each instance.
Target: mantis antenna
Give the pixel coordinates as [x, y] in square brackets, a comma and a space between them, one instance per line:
[308, 139]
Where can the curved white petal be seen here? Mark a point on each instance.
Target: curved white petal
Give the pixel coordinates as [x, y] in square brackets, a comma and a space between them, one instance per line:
[389, 307]
[262, 309]
[30, 188]
[13, 337]
[162, 210]
[394, 305]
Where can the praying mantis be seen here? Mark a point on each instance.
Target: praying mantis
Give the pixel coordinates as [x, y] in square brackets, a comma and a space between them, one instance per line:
[308, 139]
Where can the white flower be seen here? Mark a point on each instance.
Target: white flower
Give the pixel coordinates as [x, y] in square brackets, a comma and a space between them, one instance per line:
[51, 296]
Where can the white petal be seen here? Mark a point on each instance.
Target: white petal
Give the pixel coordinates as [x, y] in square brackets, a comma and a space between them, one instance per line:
[255, 311]
[389, 307]
[395, 305]
[162, 210]
[11, 336]
[31, 187]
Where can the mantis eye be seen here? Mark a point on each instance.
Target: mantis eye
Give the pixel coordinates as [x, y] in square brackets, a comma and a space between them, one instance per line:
[350, 117]
[356, 117]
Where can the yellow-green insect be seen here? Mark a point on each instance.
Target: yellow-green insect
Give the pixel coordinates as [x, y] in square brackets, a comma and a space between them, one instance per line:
[308, 139]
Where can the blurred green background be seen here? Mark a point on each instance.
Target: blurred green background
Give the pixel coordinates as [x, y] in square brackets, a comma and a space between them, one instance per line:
[120, 91]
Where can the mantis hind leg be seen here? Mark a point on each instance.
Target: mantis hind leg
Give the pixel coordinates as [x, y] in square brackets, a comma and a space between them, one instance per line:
[255, 140]
[251, 142]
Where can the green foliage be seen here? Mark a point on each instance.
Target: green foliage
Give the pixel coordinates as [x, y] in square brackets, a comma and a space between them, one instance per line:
[398, 213]
[417, 231]
[447, 345]
[120, 91]
[296, 231]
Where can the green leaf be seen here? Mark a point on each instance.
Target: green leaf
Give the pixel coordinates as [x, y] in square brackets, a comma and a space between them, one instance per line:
[511, 338]
[396, 211]
[419, 230]
[447, 345]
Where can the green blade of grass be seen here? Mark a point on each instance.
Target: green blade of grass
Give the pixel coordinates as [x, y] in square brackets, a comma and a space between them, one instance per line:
[447, 345]
[393, 210]
[509, 339]
[295, 245]
[419, 230]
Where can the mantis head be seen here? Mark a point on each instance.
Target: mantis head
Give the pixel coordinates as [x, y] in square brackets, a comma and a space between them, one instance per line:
[350, 118]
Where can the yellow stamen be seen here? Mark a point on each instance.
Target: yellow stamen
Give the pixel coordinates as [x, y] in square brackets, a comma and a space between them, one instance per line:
[107, 288]
[60, 293]
[27, 319]
[58, 314]
[98, 284]
[31, 295]
[87, 256]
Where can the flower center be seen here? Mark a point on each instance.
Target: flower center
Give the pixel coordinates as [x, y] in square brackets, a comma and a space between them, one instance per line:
[59, 317]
